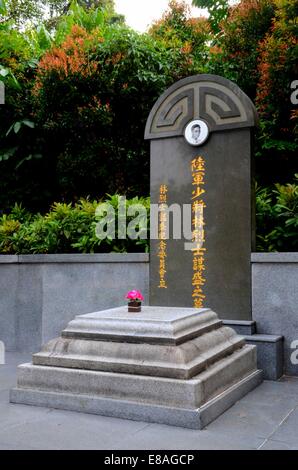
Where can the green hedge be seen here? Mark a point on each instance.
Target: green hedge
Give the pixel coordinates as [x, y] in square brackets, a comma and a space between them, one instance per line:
[277, 217]
[66, 228]
[70, 228]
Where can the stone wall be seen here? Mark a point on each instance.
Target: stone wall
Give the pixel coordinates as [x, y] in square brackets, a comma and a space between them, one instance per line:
[40, 294]
[275, 300]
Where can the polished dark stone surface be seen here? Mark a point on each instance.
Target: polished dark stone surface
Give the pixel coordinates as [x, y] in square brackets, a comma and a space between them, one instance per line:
[229, 225]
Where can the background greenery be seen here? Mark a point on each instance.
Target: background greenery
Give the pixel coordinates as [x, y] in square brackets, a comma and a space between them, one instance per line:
[69, 228]
[80, 85]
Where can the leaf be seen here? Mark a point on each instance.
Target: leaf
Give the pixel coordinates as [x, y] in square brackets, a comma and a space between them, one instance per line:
[15, 81]
[28, 123]
[4, 72]
[33, 63]
[44, 37]
[16, 127]
[3, 9]
[27, 159]
[8, 153]
[9, 130]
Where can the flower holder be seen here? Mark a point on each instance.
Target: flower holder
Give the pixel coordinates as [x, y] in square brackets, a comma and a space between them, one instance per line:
[134, 307]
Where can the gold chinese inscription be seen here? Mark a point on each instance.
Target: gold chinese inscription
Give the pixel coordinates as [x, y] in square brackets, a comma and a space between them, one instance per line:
[198, 230]
[162, 235]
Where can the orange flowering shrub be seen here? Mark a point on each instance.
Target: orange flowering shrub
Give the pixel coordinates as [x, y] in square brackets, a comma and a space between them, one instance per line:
[235, 52]
[72, 57]
[277, 64]
[92, 97]
[257, 48]
[277, 69]
[186, 36]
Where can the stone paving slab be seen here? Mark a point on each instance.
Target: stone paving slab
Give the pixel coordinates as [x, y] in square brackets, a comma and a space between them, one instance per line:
[288, 432]
[277, 445]
[163, 437]
[246, 419]
[267, 418]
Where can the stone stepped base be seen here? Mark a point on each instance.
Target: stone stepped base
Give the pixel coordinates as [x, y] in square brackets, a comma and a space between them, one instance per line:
[181, 361]
[167, 365]
[140, 411]
[160, 390]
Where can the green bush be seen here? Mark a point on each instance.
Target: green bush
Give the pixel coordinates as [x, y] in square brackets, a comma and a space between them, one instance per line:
[66, 228]
[277, 217]
[70, 228]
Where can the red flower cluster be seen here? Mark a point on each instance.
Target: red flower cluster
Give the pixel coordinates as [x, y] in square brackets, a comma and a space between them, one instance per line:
[134, 295]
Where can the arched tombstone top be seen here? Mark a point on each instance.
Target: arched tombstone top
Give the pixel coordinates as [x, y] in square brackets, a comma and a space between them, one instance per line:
[213, 99]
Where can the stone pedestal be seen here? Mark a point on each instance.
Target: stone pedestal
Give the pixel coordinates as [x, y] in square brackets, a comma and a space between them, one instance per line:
[177, 366]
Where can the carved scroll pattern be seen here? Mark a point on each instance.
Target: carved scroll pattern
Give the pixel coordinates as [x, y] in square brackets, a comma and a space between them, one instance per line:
[218, 105]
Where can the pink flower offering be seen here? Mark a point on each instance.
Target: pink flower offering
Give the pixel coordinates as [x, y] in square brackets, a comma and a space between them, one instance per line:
[134, 295]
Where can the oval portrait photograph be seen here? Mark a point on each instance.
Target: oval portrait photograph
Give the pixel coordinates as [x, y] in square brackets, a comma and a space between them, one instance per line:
[196, 132]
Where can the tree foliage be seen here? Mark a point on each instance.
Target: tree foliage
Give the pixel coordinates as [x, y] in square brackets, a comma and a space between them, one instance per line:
[217, 9]
[235, 52]
[18, 13]
[182, 34]
[79, 90]
[87, 90]
[257, 49]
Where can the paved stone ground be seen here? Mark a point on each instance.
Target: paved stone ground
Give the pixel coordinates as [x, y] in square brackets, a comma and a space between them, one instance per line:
[266, 418]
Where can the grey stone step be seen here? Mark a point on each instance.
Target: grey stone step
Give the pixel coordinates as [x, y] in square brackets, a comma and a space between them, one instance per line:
[154, 325]
[269, 347]
[242, 327]
[182, 361]
[159, 390]
[269, 354]
[139, 411]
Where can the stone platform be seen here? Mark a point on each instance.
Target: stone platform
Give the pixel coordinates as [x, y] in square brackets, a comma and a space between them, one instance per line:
[177, 366]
